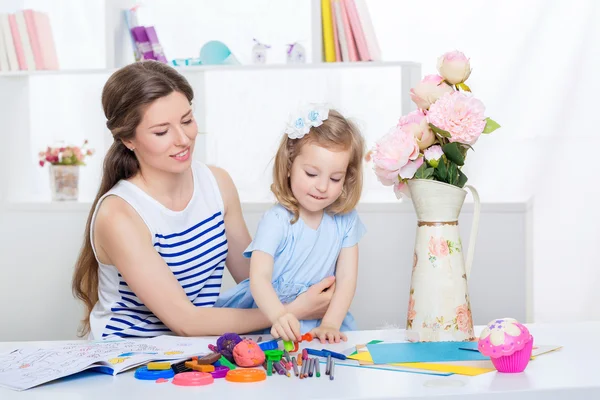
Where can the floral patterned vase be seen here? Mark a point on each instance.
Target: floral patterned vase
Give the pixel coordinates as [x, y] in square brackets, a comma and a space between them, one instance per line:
[64, 182]
[439, 308]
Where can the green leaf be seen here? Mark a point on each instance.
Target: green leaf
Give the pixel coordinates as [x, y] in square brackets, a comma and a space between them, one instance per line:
[464, 87]
[424, 172]
[439, 131]
[452, 174]
[462, 179]
[441, 172]
[490, 125]
[454, 154]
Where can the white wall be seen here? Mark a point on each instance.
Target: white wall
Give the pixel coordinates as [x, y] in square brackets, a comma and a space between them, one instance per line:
[40, 247]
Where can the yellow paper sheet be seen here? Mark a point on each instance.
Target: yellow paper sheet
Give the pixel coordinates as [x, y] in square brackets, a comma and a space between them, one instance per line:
[446, 367]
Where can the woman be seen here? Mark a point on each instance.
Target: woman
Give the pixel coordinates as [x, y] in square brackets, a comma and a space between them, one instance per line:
[163, 227]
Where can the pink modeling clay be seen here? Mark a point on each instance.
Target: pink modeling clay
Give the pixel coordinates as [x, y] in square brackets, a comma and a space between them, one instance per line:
[248, 354]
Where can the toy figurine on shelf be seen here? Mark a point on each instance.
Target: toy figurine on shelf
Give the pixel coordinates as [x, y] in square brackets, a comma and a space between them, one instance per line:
[296, 54]
[259, 52]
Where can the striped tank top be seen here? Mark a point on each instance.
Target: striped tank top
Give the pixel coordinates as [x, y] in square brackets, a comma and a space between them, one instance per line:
[193, 244]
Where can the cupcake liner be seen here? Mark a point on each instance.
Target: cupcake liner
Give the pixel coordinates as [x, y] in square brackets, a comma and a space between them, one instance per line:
[517, 362]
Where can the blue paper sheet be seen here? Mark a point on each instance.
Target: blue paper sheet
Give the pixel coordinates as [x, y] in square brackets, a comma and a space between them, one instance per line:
[387, 353]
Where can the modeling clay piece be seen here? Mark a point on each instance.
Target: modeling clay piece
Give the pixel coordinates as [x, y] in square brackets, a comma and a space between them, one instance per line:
[226, 344]
[248, 354]
[209, 359]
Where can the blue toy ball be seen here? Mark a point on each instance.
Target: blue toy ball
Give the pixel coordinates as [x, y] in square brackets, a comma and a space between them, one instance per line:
[216, 53]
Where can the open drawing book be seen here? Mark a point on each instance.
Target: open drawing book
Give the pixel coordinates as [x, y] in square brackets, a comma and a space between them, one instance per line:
[27, 367]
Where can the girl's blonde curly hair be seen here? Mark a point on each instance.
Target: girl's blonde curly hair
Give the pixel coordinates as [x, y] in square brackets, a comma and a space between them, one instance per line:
[335, 133]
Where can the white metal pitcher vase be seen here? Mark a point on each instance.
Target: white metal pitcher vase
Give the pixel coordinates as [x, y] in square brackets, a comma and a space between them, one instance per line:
[439, 307]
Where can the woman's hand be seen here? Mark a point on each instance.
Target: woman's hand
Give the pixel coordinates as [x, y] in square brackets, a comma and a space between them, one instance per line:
[313, 303]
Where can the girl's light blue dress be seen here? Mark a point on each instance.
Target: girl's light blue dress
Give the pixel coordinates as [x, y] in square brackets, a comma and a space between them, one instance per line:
[302, 257]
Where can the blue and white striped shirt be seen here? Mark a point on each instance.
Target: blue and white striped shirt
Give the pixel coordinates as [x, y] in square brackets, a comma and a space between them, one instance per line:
[192, 242]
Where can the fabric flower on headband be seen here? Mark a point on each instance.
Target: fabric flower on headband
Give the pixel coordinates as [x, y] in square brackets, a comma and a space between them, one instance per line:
[300, 122]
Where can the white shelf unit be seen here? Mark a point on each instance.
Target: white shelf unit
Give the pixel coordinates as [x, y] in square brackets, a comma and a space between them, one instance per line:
[237, 106]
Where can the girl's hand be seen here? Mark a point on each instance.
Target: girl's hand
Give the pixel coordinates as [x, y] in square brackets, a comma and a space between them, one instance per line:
[329, 333]
[287, 327]
[313, 304]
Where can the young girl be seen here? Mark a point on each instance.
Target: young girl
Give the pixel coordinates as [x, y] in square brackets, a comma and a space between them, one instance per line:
[313, 231]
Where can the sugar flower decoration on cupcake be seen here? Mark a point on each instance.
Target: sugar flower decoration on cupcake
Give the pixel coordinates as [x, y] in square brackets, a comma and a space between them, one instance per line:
[503, 337]
[306, 117]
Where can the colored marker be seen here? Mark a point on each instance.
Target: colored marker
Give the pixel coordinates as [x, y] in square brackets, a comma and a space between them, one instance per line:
[332, 368]
[295, 366]
[325, 353]
[318, 368]
[328, 366]
[280, 370]
[302, 370]
[304, 354]
[312, 367]
[286, 355]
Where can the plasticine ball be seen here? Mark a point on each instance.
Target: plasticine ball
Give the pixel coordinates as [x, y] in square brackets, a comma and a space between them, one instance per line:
[248, 354]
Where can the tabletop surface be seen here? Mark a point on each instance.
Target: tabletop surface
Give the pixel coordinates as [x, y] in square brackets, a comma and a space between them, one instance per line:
[569, 373]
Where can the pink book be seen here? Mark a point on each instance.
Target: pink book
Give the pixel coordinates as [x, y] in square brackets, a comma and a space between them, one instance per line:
[357, 30]
[46, 39]
[14, 30]
[34, 38]
[338, 55]
[352, 53]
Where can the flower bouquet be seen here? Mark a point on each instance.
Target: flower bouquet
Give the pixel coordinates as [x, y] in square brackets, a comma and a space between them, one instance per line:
[432, 142]
[64, 169]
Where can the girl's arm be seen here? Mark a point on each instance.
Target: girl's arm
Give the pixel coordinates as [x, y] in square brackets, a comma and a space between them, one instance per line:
[345, 276]
[285, 324]
[123, 240]
[238, 237]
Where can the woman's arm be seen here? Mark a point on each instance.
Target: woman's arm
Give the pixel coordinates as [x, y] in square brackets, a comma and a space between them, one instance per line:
[123, 240]
[346, 275]
[238, 237]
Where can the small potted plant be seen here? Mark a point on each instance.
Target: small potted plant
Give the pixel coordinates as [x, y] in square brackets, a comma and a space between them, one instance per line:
[64, 169]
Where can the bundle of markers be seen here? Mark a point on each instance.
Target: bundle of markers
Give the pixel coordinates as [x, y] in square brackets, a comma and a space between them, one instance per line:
[278, 362]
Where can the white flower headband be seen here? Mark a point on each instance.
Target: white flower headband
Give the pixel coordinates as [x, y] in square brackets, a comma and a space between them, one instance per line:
[302, 120]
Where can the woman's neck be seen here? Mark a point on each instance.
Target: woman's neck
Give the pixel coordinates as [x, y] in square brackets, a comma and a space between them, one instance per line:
[172, 190]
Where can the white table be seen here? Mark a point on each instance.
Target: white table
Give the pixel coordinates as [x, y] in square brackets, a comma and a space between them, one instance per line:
[570, 373]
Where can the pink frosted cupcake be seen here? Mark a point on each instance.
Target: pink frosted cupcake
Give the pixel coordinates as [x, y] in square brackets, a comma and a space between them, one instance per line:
[508, 343]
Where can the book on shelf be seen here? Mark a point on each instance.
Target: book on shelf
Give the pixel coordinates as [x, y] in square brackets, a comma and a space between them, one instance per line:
[26, 42]
[146, 45]
[348, 33]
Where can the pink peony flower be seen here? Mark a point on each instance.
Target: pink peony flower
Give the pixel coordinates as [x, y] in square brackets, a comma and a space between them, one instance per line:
[454, 66]
[417, 123]
[438, 247]
[463, 318]
[459, 114]
[426, 92]
[396, 155]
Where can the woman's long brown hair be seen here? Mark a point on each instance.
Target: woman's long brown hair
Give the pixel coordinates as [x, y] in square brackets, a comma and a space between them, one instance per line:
[124, 97]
